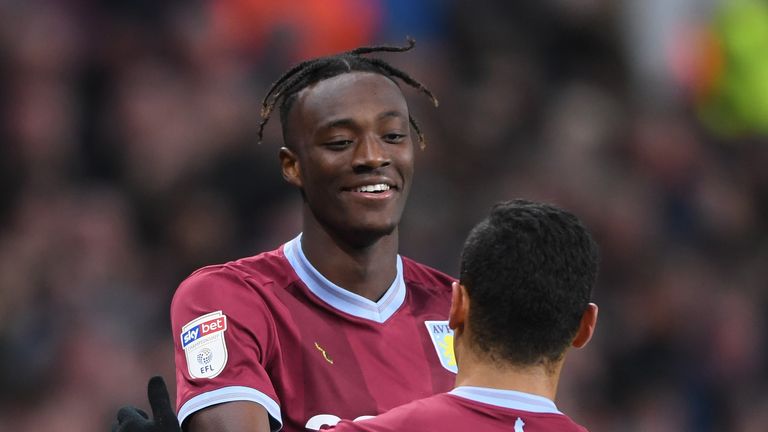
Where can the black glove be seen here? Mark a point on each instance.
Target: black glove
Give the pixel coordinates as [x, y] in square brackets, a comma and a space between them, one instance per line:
[131, 419]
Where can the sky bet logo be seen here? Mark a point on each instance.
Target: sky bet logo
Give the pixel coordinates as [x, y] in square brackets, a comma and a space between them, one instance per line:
[205, 328]
[204, 346]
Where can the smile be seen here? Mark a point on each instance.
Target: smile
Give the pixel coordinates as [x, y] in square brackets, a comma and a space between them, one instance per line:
[374, 188]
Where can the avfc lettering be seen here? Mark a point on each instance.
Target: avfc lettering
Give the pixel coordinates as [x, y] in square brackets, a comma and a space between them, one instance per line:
[439, 329]
[203, 329]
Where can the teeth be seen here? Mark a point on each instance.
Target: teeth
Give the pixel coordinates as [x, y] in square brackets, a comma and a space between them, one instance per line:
[373, 188]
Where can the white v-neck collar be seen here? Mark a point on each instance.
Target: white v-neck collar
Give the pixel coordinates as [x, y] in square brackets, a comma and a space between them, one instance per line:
[338, 297]
[507, 399]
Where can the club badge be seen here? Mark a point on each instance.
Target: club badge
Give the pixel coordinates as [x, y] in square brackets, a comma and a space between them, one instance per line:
[442, 339]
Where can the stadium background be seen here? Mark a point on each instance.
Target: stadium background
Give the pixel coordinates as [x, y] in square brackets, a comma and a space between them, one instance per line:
[128, 158]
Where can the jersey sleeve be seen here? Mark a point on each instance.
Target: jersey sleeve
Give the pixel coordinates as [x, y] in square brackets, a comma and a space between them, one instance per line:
[224, 335]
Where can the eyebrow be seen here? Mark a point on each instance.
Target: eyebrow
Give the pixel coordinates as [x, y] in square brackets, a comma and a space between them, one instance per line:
[392, 113]
[346, 123]
[350, 123]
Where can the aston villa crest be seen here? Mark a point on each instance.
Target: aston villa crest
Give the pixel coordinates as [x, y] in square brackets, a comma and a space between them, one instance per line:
[442, 339]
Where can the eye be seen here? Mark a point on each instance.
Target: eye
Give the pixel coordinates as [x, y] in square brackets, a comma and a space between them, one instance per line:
[394, 138]
[338, 145]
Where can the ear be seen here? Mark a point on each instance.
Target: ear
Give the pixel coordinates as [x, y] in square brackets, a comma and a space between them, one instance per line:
[289, 164]
[457, 316]
[586, 326]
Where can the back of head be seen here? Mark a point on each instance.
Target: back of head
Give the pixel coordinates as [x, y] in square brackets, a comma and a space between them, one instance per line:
[529, 270]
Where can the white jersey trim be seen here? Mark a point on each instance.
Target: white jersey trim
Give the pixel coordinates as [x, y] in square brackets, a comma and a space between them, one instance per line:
[232, 394]
[507, 399]
[338, 297]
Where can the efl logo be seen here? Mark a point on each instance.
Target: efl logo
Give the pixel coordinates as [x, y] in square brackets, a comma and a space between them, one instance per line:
[205, 349]
[203, 329]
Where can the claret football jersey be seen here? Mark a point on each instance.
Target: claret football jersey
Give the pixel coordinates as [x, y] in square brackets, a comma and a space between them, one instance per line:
[272, 330]
[470, 409]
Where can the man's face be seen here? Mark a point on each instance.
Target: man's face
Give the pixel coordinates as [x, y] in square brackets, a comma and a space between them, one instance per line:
[352, 154]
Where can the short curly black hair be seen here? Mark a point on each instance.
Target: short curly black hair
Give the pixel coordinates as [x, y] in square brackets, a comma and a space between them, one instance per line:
[529, 270]
[304, 74]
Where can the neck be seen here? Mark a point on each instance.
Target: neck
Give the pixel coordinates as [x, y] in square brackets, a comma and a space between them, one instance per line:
[364, 270]
[480, 372]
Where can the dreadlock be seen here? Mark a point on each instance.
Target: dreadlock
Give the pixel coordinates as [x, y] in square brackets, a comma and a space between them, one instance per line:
[311, 71]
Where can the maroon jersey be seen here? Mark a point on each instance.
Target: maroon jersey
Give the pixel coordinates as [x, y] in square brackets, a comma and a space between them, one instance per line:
[272, 330]
[470, 409]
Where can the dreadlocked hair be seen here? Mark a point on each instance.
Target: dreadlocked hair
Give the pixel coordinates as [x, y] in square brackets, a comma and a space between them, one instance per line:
[312, 71]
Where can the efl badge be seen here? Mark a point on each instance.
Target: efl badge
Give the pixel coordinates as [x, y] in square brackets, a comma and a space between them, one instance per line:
[204, 345]
[442, 339]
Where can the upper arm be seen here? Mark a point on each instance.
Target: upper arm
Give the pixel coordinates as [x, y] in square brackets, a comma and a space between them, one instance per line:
[221, 366]
[236, 416]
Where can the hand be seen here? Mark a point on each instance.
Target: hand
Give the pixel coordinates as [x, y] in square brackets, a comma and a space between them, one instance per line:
[131, 419]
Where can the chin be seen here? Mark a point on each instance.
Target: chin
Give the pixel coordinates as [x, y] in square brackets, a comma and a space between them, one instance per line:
[366, 235]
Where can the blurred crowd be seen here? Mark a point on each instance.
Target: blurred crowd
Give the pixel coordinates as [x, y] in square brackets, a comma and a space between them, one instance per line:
[129, 158]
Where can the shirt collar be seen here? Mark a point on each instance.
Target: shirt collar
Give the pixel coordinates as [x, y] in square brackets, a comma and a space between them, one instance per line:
[507, 399]
[340, 298]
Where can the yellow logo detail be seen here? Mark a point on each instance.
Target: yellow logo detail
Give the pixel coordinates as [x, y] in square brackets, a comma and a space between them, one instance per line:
[447, 347]
[325, 355]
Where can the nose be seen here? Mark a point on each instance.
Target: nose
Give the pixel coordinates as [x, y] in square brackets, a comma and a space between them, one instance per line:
[370, 154]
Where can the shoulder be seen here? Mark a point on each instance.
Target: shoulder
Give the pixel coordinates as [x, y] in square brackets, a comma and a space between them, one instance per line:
[546, 421]
[429, 290]
[430, 413]
[430, 407]
[262, 269]
[245, 283]
[574, 426]
[428, 277]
